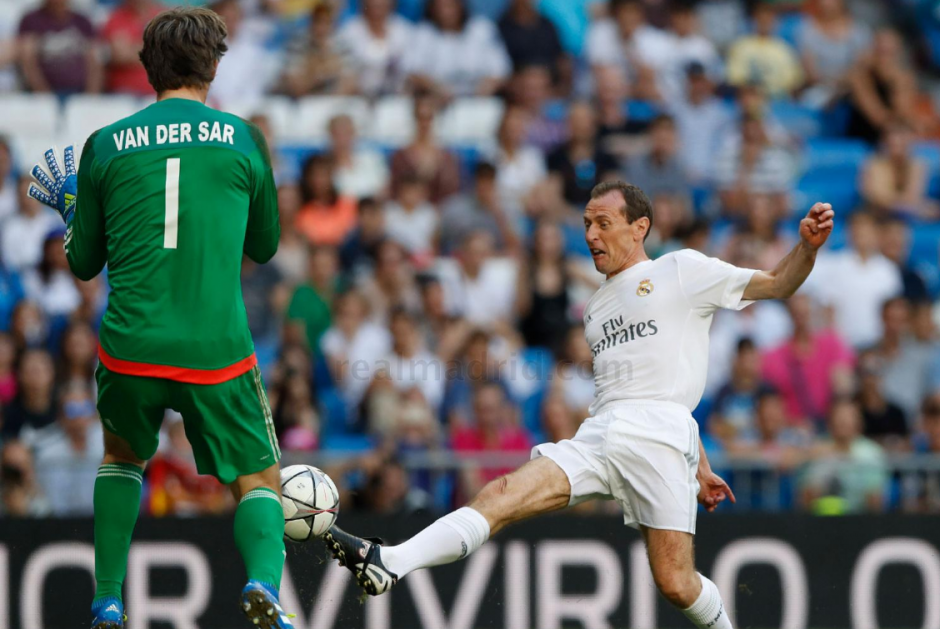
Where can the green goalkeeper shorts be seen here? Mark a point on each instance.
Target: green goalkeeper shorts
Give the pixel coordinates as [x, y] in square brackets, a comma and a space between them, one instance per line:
[229, 425]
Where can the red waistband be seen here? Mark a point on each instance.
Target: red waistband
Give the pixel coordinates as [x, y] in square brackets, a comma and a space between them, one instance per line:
[178, 374]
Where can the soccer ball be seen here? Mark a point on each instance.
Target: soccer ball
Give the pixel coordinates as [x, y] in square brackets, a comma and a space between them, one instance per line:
[310, 502]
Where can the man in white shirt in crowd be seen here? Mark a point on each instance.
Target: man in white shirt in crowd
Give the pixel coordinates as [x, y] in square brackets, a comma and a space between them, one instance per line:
[856, 282]
[647, 326]
[22, 235]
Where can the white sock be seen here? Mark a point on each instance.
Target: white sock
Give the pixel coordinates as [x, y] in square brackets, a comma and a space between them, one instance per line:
[450, 539]
[708, 612]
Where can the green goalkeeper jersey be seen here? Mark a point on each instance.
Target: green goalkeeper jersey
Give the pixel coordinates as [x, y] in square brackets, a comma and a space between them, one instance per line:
[170, 198]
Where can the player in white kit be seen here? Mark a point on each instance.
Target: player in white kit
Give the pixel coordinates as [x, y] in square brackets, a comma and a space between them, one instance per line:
[647, 326]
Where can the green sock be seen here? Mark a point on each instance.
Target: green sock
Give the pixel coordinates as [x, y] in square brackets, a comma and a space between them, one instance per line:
[259, 535]
[117, 502]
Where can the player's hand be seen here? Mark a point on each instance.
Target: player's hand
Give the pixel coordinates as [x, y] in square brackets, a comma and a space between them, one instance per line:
[713, 491]
[816, 227]
[60, 191]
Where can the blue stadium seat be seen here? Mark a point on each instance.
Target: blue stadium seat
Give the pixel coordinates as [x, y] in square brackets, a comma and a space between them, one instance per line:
[642, 110]
[333, 413]
[347, 443]
[925, 254]
[798, 119]
[789, 26]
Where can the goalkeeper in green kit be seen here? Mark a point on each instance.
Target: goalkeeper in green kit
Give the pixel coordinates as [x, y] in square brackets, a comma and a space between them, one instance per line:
[171, 198]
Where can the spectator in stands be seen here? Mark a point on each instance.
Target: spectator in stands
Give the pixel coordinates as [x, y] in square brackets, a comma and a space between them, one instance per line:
[882, 419]
[673, 217]
[7, 369]
[481, 210]
[882, 89]
[735, 407]
[34, 406]
[316, 63]
[124, 35]
[247, 56]
[58, 52]
[475, 366]
[409, 364]
[452, 53]
[482, 287]
[574, 376]
[392, 284]
[291, 256]
[265, 293]
[376, 42]
[901, 359]
[352, 345]
[424, 157]
[848, 473]
[358, 252]
[326, 216]
[519, 168]
[78, 357]
[531, 89]
[9, 51]
[28, 327]
[23, 234]
[311, 303]
[770, 438]
[11, 293]
[51, 284]
[810, 369]
[411, 220]
[8, 198]
[20, 494]
[856, 282]
[894, 181]
[765, 58]
[558, 420]
[295, 418]
[894, 238]
[618, 133]
[542, 294]
[531, 39]
[759, 236]
[581, 163]
[921, 490]
[358, 172]
[176, 488]
[68, 454]
[700, 117]
[495, 429]
[750, 162]
[830, 42]
[388, 492]
[659, 170]
[626, 42]
[689, 47]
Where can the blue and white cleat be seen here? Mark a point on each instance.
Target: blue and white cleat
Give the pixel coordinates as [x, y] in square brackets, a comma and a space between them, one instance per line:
[260, 604]
[108, 613]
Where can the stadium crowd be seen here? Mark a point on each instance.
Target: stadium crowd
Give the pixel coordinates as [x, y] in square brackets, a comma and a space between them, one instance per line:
[425, 302]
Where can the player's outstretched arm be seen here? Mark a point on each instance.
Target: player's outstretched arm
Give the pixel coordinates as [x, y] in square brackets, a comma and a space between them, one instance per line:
[793, 270]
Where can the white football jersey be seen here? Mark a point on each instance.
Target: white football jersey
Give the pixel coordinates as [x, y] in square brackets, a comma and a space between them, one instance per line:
[648, 327]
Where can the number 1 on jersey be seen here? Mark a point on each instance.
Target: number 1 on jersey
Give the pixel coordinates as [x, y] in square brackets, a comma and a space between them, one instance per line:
[171, 221]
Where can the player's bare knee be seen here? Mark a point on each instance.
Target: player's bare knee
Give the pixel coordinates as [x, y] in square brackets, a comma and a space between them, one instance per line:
[677, 586]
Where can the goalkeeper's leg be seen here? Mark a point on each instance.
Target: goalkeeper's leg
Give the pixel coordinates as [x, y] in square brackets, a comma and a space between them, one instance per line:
[117, 503]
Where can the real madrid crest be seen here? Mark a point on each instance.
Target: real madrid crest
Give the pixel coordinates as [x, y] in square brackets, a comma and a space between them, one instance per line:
[644, 289]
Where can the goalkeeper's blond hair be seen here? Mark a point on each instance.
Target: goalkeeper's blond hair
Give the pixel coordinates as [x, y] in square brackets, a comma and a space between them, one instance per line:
[182, 48]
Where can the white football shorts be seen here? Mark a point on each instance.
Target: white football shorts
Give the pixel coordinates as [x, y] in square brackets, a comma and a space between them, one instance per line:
[643, 454]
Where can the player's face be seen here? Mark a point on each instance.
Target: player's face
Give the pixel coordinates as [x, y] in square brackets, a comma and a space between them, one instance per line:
[612, 240]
